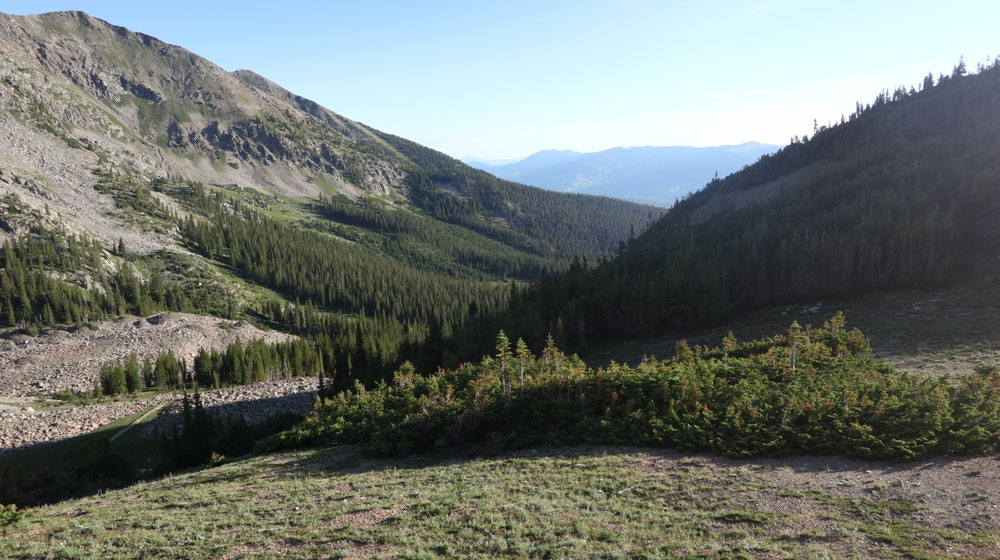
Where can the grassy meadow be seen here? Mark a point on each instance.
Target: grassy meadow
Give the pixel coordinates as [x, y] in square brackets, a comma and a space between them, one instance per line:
[541, 503]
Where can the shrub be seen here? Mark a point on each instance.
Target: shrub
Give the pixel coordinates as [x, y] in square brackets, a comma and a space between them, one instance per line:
[11, 516]
[808, 390]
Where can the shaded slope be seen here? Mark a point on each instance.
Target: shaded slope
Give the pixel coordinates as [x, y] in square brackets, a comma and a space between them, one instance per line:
[901, 194]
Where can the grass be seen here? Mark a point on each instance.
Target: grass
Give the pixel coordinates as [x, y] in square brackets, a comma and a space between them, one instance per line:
[574, 503]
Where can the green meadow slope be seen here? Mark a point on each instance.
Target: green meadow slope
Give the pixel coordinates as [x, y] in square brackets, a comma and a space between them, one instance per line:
[539, 503]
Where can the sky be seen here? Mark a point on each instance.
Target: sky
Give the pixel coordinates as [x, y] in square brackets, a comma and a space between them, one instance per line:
[504, 79]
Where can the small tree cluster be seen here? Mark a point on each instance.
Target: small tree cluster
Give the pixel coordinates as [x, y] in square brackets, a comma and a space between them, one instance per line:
[238, 364]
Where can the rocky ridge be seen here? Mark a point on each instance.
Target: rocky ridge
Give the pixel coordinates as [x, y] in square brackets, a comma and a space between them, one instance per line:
[78, 95]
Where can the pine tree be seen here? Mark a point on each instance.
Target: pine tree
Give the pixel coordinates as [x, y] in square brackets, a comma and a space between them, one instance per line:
[133, 379]
[147, 373]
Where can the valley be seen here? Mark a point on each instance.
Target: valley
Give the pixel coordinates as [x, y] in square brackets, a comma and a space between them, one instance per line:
[659, 175]
[236, 324]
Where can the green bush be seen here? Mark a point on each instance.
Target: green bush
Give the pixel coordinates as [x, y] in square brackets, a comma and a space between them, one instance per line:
[809, 390]
[11, 516]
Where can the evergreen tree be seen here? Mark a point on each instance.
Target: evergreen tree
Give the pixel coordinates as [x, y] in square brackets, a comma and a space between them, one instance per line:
[133, 378]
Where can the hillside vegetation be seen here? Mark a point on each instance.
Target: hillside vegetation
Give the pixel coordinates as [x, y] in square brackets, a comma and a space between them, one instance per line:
[543, 503]
[808, 391]
[902, 193]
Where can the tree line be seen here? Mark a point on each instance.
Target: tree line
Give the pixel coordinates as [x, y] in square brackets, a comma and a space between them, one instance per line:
[238, 364]
[51, 277]
[809, 390]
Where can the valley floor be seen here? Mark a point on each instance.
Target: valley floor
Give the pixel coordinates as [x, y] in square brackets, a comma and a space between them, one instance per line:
[542, 503]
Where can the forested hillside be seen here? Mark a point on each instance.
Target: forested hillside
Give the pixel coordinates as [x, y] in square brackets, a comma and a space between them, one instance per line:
[902, 193]
[139, 177]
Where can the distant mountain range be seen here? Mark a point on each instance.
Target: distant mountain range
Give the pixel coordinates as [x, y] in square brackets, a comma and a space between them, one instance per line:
[650, 174]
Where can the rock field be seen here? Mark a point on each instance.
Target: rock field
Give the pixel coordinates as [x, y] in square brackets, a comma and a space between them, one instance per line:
[25, 426]
[21, 425]
[71, 358]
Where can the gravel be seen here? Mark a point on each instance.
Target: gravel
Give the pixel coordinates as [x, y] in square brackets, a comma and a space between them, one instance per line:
[70, 358]
[22, 427]
[255, 403]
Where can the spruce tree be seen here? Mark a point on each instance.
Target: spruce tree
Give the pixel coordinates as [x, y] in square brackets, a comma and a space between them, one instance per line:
[133, 379]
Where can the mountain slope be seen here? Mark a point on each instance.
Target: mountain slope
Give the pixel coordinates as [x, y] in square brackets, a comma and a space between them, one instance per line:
[195, 189]
[71, 81]
[655, 175]
[902, 194]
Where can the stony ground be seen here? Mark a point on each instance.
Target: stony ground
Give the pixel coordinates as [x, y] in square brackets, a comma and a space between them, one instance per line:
[24, 426]
[255, 403]
[71, 358]
[21, 424]
[539, 503]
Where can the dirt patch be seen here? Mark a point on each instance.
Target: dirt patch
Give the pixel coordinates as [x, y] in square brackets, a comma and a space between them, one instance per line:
[349, 550]
[367, 518]
[255, 550]
[461, 513]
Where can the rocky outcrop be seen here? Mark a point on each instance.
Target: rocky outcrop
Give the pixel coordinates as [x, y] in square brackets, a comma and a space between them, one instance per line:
[125, 94]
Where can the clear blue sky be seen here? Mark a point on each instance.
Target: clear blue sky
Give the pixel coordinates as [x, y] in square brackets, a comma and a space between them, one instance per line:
[508, 78]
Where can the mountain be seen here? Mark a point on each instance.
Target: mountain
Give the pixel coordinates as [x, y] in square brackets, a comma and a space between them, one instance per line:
[137, 177]
[653, 175]
[155, 209]
[902, 194]
[485, 164]
[72, 81]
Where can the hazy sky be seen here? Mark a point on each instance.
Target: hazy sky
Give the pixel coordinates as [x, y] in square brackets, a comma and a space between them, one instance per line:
[508, 78]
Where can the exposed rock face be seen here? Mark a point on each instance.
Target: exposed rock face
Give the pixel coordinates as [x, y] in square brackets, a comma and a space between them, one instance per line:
[74, 89]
